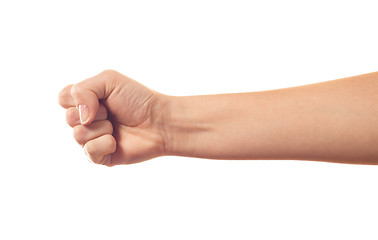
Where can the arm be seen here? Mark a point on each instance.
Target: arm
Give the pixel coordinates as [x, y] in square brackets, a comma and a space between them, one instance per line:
[335, 121]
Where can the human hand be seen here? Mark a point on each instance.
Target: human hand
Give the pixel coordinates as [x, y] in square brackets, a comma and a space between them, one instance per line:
[116, 119]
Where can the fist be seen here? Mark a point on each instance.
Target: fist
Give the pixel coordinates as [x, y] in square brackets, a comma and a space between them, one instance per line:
[116, 119]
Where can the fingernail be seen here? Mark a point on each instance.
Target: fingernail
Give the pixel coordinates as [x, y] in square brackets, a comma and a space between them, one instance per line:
[83, 113]
[88, 157]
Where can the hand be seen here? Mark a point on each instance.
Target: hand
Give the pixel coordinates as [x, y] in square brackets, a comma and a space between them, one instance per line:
[116, 119]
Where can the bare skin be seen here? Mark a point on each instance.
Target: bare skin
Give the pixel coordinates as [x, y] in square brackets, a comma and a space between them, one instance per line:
[124, 122]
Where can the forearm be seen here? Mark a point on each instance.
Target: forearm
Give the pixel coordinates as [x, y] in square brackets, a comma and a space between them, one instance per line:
[330, 121]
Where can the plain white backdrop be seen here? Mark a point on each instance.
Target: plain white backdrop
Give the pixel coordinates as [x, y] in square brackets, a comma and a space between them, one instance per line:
[49, 191]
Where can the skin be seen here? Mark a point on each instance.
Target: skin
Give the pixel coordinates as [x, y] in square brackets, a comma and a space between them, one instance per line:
[124, 122]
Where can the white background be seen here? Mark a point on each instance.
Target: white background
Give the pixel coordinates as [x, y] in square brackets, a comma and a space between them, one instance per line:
[49, 191]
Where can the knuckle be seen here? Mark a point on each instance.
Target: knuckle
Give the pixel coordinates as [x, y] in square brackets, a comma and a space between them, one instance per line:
[71, 117]
[64, 96]
[109, 72]
[61, 98]
[111, 76]
[112, 143]
[93, 155]
[90, 151]
[75, 89]
[79, 134]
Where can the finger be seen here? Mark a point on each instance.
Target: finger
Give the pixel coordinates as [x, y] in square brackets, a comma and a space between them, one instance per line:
[87, 93]
[73, 119]
[99, 148]
[83, 134]
[65, 98]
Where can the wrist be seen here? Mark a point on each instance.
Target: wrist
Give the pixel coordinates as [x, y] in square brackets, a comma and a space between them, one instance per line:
[183, 125]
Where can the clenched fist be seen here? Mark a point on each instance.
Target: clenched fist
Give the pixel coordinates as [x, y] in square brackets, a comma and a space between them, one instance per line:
[116, 119]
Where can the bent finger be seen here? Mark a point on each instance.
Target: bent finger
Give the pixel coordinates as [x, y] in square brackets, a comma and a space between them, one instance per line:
[87, 93]
[83, 134]
[99, 148]
[65, 98]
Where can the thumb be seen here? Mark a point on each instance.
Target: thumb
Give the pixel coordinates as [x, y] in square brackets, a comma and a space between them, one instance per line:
[87, 93]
